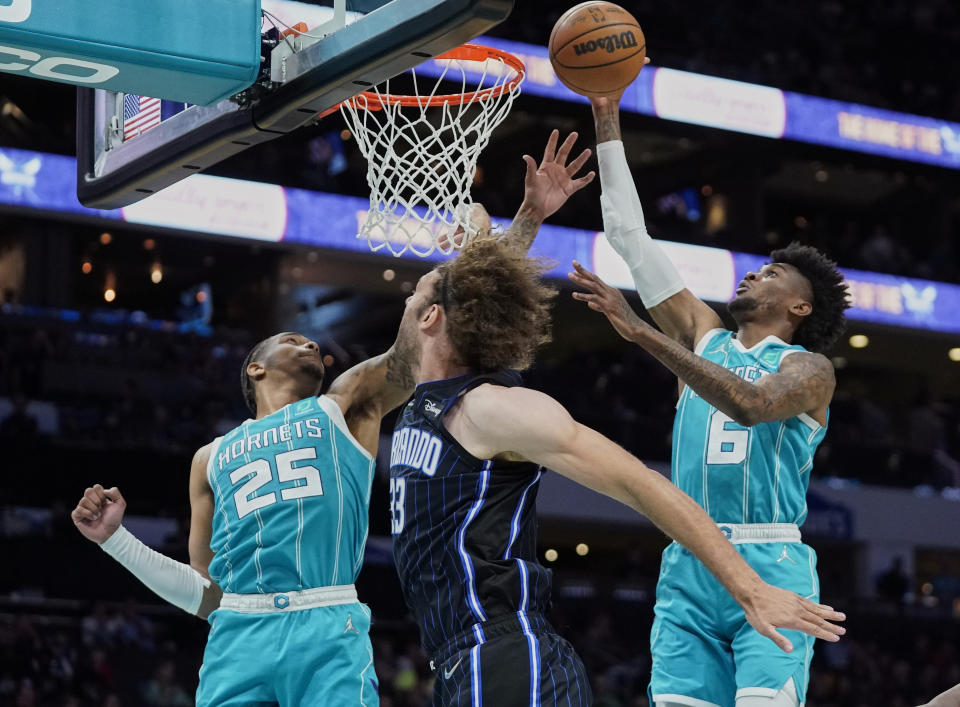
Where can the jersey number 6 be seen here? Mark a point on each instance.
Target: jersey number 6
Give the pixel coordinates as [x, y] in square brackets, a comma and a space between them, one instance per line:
[244, 496]
[727, 441]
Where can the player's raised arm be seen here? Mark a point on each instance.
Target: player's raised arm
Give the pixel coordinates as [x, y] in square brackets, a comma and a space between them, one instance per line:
[98, 517]
[369, 390]
[803, 384]
[678, 313]
[496, 420]
[546, 187]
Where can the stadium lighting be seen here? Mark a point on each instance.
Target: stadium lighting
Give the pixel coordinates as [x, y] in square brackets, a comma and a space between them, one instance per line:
[550, 555]
[859, 341]
[582, 549]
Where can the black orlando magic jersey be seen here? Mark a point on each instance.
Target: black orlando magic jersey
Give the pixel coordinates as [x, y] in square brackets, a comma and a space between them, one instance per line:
[464, 528]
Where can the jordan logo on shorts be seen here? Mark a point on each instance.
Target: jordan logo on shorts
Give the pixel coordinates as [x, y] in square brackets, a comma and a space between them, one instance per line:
[350, 627]
[785, 556]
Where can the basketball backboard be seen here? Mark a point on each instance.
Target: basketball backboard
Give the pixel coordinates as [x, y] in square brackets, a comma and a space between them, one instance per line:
[301, 77]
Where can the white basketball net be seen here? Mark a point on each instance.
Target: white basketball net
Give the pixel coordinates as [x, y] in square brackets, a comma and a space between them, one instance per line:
[421, 159]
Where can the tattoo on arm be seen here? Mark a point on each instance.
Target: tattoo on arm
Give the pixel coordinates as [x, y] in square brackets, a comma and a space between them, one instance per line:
[804, 382]
[524, 228]
[607, 120]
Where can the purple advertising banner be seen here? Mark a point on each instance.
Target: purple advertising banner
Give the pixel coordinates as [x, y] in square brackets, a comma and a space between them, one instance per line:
[756, 110]
[268, 212]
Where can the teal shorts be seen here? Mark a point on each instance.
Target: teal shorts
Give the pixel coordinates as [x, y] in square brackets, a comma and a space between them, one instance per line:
[704, 651]
[302, 658]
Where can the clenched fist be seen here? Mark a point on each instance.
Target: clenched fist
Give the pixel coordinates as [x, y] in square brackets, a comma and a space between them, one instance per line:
[99, 513]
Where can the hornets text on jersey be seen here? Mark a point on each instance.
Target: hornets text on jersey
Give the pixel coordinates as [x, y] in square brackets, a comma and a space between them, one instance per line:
[464, 528]
[740, 474]
[292, 495]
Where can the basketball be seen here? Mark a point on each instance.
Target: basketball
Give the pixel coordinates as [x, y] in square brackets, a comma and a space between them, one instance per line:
[597, 48]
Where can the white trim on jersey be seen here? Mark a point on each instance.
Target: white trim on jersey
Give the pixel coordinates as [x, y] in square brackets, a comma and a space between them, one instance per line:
[809, 422]
[214, 446]
[219, 502]
[337, 475]
[336, 415]
[705, 340]
[768, 339]
[776, 472]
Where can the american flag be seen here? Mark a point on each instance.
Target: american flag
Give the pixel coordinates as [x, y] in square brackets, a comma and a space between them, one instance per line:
[140, 114]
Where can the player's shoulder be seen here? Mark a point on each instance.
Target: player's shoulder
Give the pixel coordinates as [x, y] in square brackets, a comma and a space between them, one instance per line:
[806, 362]
[202, 455]
[504, 402]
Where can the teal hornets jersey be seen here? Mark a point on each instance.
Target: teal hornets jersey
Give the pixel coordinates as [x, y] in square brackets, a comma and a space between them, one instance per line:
[292, 497]
[742, 474]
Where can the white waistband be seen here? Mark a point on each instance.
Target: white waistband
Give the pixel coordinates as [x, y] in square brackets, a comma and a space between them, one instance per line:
[289, 601]
[739, 533]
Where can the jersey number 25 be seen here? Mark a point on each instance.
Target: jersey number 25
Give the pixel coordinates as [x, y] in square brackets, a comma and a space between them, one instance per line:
[245, 498]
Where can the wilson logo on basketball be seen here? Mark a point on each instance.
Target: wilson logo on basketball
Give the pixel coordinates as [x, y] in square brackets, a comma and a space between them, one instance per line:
[610, 43]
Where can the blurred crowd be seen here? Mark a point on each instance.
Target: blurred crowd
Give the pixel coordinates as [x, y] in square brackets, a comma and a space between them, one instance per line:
[105, 659]
[136, 390]
[119, 656]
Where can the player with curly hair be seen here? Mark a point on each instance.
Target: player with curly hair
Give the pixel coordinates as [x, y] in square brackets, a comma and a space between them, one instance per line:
[468, 453]
[752, 411]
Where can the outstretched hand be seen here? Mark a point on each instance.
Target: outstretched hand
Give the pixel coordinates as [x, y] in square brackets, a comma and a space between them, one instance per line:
[548, 185]
[771, 608]
[609, 300]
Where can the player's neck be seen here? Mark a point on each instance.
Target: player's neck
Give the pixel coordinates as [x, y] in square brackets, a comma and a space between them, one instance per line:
[279, 396]
[752, 333]
[438, 363]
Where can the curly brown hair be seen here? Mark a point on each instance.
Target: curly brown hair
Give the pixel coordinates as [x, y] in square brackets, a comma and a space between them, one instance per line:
[497, 306]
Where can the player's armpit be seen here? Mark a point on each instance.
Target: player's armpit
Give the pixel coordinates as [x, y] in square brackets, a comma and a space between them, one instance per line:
[804, 384]
[685, 318]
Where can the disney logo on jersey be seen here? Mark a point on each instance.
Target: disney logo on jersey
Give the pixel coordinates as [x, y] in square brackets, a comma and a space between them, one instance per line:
[431, 408]
[416, 449]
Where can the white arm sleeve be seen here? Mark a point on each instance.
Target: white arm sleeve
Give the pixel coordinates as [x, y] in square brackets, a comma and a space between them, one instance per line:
[654, 275]
[173, 581]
